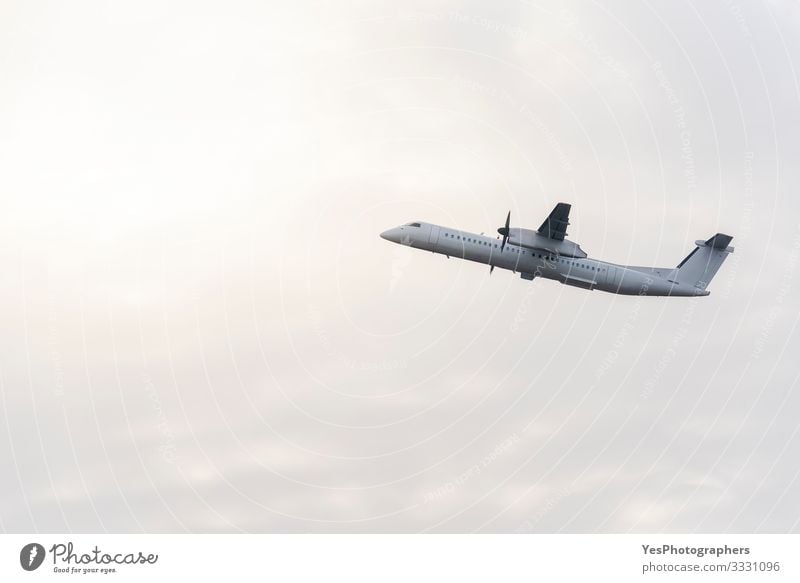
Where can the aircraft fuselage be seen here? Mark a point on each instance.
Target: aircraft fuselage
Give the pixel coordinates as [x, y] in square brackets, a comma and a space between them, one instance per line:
[585, 273]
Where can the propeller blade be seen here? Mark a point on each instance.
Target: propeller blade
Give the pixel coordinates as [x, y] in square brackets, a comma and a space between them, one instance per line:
[504, 231]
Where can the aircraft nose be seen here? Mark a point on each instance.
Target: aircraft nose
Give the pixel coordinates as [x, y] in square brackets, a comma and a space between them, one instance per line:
[391, 235]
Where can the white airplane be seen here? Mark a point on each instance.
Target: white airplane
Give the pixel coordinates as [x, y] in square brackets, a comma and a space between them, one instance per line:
[547, 253]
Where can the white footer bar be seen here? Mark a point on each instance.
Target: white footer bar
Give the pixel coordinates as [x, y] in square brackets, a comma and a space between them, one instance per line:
[406, 558]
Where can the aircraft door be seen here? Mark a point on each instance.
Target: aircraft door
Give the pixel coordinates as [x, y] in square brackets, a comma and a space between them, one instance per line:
[433, 237]
[611, 276]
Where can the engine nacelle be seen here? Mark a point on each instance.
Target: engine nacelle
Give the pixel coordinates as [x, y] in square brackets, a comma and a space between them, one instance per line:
[533, 240]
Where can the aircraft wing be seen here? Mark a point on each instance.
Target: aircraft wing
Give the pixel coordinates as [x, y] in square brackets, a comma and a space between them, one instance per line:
[555, 226]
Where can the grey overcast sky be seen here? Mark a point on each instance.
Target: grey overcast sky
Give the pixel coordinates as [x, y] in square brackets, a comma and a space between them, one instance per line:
[200, 329]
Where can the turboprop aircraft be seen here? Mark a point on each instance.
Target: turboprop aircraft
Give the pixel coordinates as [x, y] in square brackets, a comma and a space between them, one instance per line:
[547, 253]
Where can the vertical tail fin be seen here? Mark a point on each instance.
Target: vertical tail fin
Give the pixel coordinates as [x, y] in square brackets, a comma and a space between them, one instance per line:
[702, 264]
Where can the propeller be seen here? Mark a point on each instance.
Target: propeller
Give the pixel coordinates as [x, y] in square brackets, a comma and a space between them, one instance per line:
[503, 231]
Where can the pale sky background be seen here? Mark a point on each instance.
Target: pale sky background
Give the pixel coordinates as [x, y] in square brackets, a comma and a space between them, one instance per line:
[200, 329]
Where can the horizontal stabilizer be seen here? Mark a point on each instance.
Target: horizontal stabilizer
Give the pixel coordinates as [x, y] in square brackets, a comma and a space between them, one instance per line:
[719, 241]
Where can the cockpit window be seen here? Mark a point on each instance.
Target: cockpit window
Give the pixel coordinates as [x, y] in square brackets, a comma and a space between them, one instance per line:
[413, 225]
